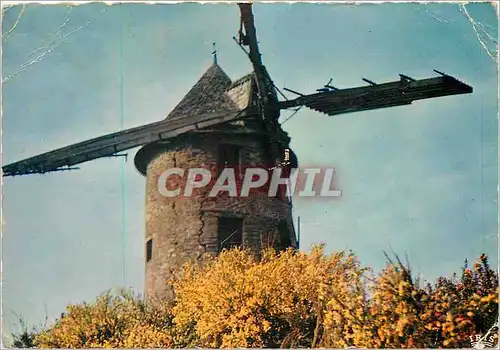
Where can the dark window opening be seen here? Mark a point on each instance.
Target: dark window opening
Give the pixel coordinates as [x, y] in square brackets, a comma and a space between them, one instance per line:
[149, 250]
[229, 157]
[230, 233]
[284, 233]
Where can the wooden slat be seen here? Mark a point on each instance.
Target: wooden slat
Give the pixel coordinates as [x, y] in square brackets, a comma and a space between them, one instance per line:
[110, 144]
[379, 96]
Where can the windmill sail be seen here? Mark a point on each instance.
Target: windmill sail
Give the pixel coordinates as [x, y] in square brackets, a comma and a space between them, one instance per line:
[397, 93]
[264, 82]
[267, 97]
[110, 144]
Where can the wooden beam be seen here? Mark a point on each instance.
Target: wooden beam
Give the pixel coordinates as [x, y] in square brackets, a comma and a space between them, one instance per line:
[108, 145]
[379, 96]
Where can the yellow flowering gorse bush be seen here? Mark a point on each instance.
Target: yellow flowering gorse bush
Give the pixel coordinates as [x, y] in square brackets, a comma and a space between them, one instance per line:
[289, 299]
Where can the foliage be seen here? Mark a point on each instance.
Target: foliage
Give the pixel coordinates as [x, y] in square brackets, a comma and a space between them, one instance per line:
[113, 320]
[235, 301]
[25, 337]
[290, 299]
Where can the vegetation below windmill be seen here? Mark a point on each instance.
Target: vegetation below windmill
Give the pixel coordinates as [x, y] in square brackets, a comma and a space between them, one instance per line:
[290, 299]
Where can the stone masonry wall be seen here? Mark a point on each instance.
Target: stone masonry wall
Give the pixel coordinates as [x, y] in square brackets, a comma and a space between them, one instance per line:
[184, 228]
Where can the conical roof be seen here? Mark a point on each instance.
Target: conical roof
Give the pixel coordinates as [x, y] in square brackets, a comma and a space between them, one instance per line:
[207, 96]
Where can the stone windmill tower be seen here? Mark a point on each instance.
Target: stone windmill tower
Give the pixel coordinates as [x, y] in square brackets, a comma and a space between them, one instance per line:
[183, 228]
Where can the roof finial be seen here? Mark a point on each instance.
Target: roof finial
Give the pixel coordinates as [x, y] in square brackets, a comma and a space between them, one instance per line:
[214, 53]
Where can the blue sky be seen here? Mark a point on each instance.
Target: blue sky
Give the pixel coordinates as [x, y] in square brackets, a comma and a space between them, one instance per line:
[420, 180]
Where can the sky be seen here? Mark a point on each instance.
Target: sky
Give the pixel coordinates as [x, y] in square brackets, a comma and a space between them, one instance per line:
[419, 180]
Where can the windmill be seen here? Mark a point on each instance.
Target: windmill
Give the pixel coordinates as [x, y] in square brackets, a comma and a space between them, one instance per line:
[244, 112]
